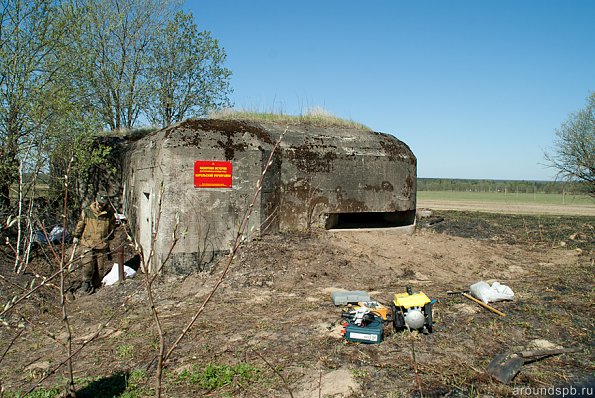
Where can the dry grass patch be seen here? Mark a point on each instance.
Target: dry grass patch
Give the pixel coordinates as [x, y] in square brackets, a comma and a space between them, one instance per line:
[316, 117]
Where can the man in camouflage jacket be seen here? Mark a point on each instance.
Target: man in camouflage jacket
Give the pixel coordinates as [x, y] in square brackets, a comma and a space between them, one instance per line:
[93, 233]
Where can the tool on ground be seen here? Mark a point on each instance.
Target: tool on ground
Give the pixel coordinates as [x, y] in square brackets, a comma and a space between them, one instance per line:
[373, 306]
[361, 324]
[359, 316]
[121, 273]
[70, 263]
[504, 367]
[370, 332]
[343, 297]
[470, 297]
[412, 311]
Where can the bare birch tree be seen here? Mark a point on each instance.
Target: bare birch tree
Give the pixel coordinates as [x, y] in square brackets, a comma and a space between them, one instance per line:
[113, 50]
[574, 154]
[29, 37]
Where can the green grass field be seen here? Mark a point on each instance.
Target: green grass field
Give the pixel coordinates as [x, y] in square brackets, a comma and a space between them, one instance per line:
[508, 197]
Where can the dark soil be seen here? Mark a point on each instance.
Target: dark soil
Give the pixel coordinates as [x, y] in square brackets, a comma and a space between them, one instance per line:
[570, 231]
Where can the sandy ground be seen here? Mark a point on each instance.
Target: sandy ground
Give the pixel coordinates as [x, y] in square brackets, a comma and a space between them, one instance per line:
[492, 207]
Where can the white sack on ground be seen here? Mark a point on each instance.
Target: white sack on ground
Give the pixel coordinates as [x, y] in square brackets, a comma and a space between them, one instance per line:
[112, 276]
[486, 293]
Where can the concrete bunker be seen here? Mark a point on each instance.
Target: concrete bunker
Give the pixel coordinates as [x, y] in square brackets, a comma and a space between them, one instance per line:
[201, 175]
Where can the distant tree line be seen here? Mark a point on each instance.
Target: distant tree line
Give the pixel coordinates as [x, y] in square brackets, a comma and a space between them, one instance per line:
[469, 185]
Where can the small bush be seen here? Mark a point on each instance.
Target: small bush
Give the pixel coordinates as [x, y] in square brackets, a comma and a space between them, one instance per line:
[214, 376]
[124, 351]
[39, 393]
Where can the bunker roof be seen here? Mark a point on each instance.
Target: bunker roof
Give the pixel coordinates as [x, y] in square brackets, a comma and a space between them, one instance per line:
[299, 140]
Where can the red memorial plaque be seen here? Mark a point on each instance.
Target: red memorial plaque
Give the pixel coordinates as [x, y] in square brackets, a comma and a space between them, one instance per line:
[212, 174]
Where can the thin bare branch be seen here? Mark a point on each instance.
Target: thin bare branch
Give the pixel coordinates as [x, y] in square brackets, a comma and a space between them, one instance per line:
[285, 384]
[11, 343]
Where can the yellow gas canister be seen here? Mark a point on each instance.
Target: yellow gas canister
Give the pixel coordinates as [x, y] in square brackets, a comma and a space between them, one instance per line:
[407, 300]
[412, 311]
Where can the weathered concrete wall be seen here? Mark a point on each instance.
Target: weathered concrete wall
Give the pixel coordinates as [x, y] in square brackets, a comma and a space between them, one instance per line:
[160, 191]
[332, 171]
[318, 178]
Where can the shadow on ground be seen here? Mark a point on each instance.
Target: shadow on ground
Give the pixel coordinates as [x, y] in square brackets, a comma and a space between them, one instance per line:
[106, 387]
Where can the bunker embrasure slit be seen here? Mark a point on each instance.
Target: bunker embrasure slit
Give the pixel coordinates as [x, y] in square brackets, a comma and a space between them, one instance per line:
[365, 220]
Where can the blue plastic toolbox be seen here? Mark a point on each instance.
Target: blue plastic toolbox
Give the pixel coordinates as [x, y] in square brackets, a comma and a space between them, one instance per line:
[371, 333]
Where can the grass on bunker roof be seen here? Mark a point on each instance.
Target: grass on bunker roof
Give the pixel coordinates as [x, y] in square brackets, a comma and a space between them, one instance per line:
[262, 340]
[318, 118]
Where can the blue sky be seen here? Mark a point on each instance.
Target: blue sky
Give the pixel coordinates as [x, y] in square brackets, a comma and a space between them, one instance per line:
[475, 88]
